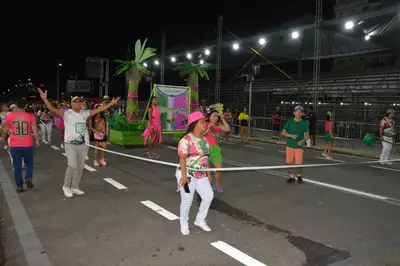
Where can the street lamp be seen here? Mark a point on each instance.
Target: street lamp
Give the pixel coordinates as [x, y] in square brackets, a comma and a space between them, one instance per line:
[58, 81]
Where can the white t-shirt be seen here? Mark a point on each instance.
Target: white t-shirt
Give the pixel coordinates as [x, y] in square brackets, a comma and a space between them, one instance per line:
[75, 126]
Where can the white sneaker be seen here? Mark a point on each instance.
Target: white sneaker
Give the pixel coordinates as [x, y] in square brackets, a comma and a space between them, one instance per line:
[203, 226]
[67, 192]
[6, 147]
[87, 158]
[324, 154]
[62, 146]
[328, 157]
[185, 230]
[45, 142]
[77, 191]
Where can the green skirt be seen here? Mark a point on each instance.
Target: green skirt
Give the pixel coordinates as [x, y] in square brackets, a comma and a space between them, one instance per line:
[215, 154]
[328, 138]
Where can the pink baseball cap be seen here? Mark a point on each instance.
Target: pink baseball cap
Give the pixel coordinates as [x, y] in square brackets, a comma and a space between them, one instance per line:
[195, 116]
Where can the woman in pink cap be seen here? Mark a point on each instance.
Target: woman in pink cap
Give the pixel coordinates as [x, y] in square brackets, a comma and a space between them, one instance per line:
[193, 152]
[153, 130]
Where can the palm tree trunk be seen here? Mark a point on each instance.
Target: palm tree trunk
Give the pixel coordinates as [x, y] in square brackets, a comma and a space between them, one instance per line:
[132, 102]
[193, 83]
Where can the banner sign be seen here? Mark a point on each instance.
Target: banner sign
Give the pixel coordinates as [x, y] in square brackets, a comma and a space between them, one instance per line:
[173, 105]
[79, 85]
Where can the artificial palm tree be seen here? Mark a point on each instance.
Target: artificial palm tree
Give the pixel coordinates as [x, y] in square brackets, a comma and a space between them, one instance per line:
[192, 72]
[135, 71]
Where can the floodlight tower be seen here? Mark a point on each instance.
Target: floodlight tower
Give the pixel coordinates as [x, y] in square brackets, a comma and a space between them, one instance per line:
[317, 52]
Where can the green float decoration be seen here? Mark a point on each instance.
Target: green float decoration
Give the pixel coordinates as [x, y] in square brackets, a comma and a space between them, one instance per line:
[192, 72]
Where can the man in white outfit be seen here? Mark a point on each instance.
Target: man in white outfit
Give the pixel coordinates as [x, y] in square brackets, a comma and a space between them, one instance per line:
[388, 133]
[74, 138]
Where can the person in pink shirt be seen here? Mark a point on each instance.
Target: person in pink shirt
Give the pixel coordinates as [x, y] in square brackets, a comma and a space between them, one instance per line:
[22, 126]
[153, 130]
[193, 152]
[213, 137]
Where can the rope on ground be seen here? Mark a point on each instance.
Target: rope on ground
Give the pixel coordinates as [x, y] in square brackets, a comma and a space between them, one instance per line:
[235, 169]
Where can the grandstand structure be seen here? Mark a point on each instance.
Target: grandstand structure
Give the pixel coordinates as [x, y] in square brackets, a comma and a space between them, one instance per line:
[359, 74]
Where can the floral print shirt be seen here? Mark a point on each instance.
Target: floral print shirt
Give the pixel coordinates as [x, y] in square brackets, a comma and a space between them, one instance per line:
[196, 151]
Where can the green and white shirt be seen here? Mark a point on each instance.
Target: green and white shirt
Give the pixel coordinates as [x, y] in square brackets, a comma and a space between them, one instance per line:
[75, 126]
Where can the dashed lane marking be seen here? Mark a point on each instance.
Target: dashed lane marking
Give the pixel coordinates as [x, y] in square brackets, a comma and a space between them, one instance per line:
[160, 210]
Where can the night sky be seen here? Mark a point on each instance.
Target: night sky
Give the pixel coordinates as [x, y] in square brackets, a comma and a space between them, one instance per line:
[43, 34]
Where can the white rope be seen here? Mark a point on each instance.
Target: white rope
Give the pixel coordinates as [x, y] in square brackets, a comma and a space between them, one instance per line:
[231, 169]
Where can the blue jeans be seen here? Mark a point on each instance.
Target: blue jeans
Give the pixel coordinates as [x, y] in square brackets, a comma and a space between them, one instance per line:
[17, 154]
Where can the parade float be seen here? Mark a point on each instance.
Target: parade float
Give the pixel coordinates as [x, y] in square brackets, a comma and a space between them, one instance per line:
[127, 130]
[175, 102]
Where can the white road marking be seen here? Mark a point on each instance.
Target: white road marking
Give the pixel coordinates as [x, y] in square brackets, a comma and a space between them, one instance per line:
[55, 148]
[254, 147]
[115, 183]
[322, 184]
[349, 190]
[90, 169]
[333, 160]
[160, 210]
[87, 167]
[385, 168]
[171, 147]
[236, 254]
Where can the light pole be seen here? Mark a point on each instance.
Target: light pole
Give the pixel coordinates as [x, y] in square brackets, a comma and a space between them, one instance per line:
[249, 79]
[58, 81]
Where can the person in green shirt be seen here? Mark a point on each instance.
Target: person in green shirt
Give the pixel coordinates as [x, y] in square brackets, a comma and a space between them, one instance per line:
[296, 132]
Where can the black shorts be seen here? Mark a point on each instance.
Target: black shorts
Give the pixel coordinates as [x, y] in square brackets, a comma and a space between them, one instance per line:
[313, 131]
[276, 127]
[103, 140]
[244, 123]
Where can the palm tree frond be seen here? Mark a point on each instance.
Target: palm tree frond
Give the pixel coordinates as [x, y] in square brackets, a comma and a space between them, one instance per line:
[138, 47]
[147, 53]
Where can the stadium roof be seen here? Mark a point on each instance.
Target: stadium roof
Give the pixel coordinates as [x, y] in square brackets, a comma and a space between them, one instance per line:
[381, 26]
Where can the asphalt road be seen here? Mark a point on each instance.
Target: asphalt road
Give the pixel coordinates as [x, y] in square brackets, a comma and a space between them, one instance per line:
[342, 215]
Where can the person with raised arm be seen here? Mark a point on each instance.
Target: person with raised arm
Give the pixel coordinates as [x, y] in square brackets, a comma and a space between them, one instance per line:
[74, 138]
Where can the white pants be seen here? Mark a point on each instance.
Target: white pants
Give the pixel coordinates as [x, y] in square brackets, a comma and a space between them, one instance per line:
[386, 148]
[46, 129]
[203, 188]
[87, 141]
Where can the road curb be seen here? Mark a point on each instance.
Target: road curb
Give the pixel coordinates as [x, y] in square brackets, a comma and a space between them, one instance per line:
[335, 150]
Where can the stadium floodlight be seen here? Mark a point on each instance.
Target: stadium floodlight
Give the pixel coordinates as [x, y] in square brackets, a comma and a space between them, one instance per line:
[295, 34]
[262, 41]
[281, 102]
[201, 61]
[189, 56]
[235, 46]
[349, 25]
[145, 64]
[341, 103]
[366, 104]
[59, 64]
[156, 62]
[173, 59]
[207, 52]
[367, 37]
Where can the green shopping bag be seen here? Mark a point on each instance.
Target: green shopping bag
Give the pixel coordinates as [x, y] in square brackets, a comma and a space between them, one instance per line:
[370, 140]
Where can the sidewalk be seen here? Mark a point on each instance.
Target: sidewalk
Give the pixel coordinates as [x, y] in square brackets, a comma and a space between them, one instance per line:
[344, 146]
